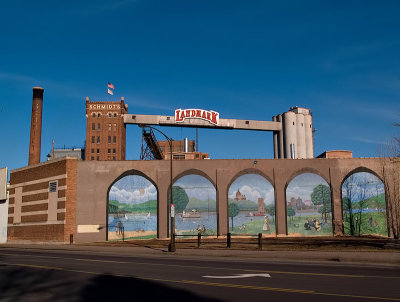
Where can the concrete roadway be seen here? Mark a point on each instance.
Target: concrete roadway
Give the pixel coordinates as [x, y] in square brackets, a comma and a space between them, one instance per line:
[99, 274]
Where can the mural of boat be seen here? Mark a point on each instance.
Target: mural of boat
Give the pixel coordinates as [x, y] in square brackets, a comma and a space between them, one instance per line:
[251, 214]
[191, 214]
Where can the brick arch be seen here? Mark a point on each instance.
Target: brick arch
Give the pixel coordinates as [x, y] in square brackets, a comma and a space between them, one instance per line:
[250, 171]
[359, 170]
[125, 174]
[303, 171]
[194, 172]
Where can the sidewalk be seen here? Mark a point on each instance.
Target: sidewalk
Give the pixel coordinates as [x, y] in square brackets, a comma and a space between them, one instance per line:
[389, 257]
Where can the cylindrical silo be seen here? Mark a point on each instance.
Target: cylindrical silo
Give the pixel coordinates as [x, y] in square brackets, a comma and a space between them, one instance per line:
[186, 145]
[281, 152]
[309, 136]
[36, 126]
[301, 136]
[289, 120]
[276, 148]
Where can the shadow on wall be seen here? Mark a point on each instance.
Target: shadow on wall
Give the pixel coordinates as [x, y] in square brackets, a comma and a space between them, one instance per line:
[29, 284]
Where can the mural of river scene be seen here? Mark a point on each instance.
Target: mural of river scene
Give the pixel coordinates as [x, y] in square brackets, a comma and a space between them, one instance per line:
[364, 205]
[195, 206]
[251, 207]
[309, 210]
[132, 207]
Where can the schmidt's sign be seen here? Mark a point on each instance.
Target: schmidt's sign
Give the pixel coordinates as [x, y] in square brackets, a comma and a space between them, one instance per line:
[210, 116]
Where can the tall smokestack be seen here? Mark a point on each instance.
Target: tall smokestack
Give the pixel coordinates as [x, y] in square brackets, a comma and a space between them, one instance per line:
[36, 126]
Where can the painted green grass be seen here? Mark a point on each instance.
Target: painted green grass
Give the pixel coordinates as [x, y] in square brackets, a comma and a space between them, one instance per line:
[253, 227]
[365, 228]
[145, 207]
[296, 226]
[135, 238]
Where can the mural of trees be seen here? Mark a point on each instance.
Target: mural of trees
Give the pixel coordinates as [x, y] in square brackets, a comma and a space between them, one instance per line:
[308, 198]
[180, 198]
[233, 211]
[321, 195]
[364, 205]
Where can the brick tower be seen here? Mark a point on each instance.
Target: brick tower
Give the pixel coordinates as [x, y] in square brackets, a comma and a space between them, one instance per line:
[105, 130]
[36, 126]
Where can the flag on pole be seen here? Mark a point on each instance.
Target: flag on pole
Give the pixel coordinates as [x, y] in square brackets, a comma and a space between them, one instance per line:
[111, 86]
[110, 91]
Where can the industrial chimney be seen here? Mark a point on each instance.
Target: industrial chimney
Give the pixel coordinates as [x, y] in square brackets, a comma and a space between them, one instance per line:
[36, 126]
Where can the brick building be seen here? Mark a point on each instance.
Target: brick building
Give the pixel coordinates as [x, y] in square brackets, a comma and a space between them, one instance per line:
[42, 201]
[105, 130]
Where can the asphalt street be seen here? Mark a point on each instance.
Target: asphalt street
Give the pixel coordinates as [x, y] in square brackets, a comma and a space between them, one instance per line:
[78, 275]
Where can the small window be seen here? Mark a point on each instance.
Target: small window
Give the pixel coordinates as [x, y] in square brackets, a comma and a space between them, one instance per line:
[98, 139]
[93, 126]
[98, 126]
[99, 114]
[197, 155]
[92, 158]
[93, 140]
[114, 150]
[301, 124]
[115, 127]
[98, 151]
[293, 123]
[109, 139]
[115, 114]
[109, 127]
[53, 186]
[114, 139]
[109, 151]
[113, 157]
[93, 114]
[97, 158]
[92, 150]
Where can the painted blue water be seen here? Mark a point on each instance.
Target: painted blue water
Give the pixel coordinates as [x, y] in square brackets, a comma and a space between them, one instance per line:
[133, 222]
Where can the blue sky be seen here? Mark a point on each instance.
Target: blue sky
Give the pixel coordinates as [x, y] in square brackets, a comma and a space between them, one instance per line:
[244, 59]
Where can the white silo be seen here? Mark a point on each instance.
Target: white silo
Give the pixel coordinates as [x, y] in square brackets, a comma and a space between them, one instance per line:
[290, 133]
[301, 136]
[309, 136]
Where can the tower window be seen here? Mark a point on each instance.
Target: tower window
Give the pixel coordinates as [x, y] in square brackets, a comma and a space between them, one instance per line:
[93, 126]
[92, 150]
[109, 151]
[113, 150]
[93, 139]
[114, 139]
[98, 114]
[115, 127]
[98, 151]
[109, 127]
[98, 126]
[98, 139]
[109, 139]
[115, 114]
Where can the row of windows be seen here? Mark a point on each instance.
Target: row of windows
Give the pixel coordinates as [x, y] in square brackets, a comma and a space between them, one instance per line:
[109, 151]
[111, 127]
[98, 158]
[97, 140]
[109, 114]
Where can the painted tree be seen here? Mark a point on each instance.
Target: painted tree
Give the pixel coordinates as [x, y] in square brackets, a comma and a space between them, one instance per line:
[271, 210]
[291, 213]
[180, 197]
[233, 211]
[321, 195]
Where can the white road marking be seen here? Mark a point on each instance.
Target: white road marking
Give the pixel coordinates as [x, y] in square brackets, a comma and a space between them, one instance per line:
[239, 276]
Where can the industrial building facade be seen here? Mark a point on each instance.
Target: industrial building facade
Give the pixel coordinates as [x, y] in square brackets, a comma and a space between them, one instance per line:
[67, 199]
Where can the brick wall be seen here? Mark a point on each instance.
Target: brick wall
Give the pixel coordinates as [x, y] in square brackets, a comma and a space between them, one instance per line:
[34, 213]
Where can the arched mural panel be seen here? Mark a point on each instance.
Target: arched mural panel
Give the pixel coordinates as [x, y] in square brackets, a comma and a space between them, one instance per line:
[251, 208]
[132, 209]
[308, 206]
[364, 205]
[195, 206]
